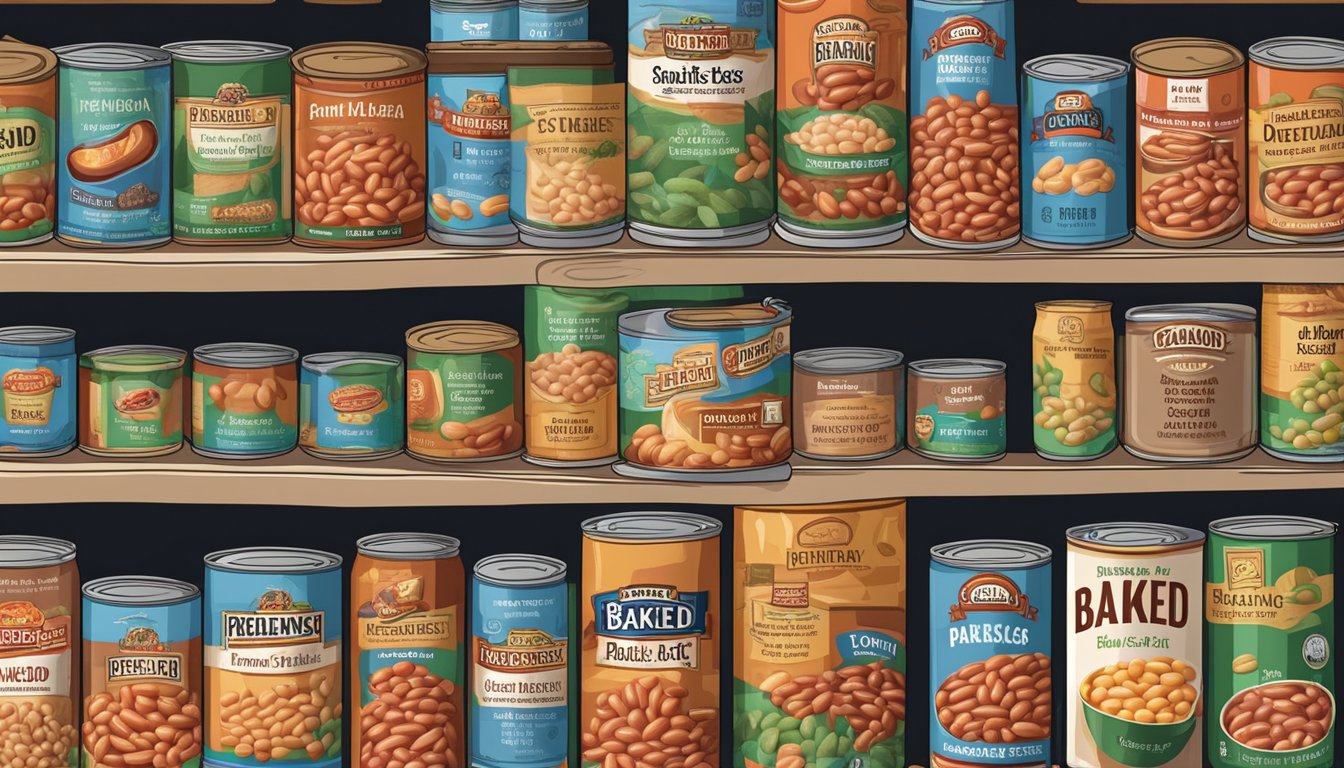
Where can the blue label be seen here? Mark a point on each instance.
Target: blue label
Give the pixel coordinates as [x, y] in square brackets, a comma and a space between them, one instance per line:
[963, 48]
[39, 384]
[544, 25]
[355, 412]
[650, 610]
[867, 646]
[469, 152]
[457, 23]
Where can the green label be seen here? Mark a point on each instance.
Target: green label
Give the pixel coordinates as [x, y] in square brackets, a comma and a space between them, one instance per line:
[27, 152]
[556, 317]
[139, 410]
[471, 386]
[249, 420]
[1308, 423]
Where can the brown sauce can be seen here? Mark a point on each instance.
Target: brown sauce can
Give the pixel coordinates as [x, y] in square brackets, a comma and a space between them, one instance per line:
[464, 391]
[28, 154]
[847, 403]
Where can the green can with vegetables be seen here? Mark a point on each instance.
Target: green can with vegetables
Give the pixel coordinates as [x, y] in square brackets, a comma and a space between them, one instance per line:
[1301, 382]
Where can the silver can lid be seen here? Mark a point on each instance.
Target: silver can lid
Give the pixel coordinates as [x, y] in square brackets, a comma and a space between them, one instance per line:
[1133, 536]
[111, 56]
[958, 368]
[325, 362]
[408, 546]
[519, 570]
[833, 360]
[244, 354]
[1309, 53]
[140, 590]
[1075, 68]
[272, 560]
[991, 553]
[1273, 528]
[226, 51]
[34, 551]
[35, 335]
[651, 527]
[1208, 313]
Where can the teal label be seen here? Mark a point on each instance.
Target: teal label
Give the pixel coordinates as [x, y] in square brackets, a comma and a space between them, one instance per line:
[27, 163]
[134, 409]
[244, 412]
[958, 417]
[454, 22]
[38, 387]
[544, 24]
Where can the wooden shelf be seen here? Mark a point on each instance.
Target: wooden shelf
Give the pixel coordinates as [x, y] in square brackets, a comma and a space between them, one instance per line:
[298, 479]
[52, 267]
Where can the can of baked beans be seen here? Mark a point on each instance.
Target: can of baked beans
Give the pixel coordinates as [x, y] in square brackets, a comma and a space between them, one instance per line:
[552, 20]
[28, 161]
[38, 387]
[1136, 664]
[1302, 371]
[352, 405]
[131, 400]
[458, 20]
[244, 400]
[989, 654]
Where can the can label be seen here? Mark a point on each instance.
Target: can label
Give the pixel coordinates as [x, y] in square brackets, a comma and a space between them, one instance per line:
[958, 418]
[39, 401]
[39, 669]
[132, 410]
[468, 152]
[449, 23]
[545, 25]
[1301, 383]
[28, 158]
[464, 406]
[1073, 372]
[244, 410]
[354, 408]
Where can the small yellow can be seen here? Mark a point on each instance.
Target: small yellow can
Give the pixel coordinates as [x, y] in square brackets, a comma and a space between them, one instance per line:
[1073, 373]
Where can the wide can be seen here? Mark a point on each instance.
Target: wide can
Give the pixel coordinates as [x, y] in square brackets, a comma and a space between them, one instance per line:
[407, 604]
[244, 400]
[1075, 393]
[1136, 663]
[1302, 371]
[819, 643]
[956, 409]
[848, 403]
[552, 20]
[28, 157]
[520, 662]
[142, 658]
[464, 391]
[131, 400]
[352, 405]
[38, 382]
[1270, 617]
[460, 20]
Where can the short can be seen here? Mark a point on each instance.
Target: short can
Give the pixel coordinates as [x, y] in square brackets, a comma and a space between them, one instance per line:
[464, 391]
[142, 657]
[965, 69]
[700, 107]
[38, 380]
[273, 620]
[352, 405]
[116, 111]
[1190, 139]
[407, 603]
[848, 403]
[359, 145]
[551, 20]
[244, 400]
[40, 647]
[1302, 372]
[650, 604]
[1075, 129]
[955, 409]
[1136, 663]
[818, 671]
[231, 142]
[842, 122]
[1270, 618]
[131, 400]
[28, 156]
[1075, 393]
[989, 654]
[707, 393]
[1190, 382]
[453, 21]
[520, 662]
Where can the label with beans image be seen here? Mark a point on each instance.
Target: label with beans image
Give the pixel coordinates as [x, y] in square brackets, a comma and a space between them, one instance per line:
[244, 400]
[28, 154]
[955, 409]
[1073, 373]
[142, 673]
[464, 391]
[131, 400]
[1302, 372]
[842, 121]
[1270, 618]
[964, 190]
[819, 653]
[989, 646]
[38, 383]
[352, 405]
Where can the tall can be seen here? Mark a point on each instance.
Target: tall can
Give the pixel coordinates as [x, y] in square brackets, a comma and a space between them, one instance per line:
[1302, 372]
[520, 662]
[1076, 132]
[1270, 618]
[842, 122]
[38, 387]
[28, 157]
[1073, 374]
[965, 67]
[1136, 664]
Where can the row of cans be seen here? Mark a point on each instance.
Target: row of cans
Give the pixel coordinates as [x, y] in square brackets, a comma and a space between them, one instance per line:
[541, 20]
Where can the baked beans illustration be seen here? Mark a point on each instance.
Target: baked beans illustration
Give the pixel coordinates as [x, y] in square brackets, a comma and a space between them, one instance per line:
[1302, 371]
[28, 164]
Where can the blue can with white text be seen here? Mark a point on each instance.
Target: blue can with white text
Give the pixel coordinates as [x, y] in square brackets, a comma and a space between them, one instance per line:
[549, 20]
[456, 20]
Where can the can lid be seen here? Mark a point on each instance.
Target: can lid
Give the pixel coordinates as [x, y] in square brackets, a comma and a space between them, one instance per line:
[651, 527]
[991, 553]
[1075, 68]
[136, 357]
[244, 354]
[1273, 527]
[518, 570]
[847, 359]
[357, 61]
[34, 551]
[207, 51]
[34, 335]
[140, 590]
[272, 560]
[1074, 305]
[1312, 53]
[1186, 56]
[736, 316]
[461, 337]
[111, 56]
[958, 368]
[23, 63]
[1134, 536]
[323, 362]
[496, 56]
[408, 546]
[1209, 313]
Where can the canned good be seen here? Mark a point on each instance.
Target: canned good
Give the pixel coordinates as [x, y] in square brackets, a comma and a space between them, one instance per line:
[847, 403]
[520, 662]
[131, 400]
[407, 598]
[842, 119]
[1075, 393]
[1076, 131]
[464, 391]
[231, 135]
[713, 389]
[272, 631]
[142, 655]
[990, 615]
[1135, 607]
[1190, 133]
[39, 390]
[458, 20]
[968, 66]
[956, 409]
[359, 122]
[545, 20]
[244, 402]
[1271, 630]
[1301, 383]
[28, 159]
[819, 648]
[351, 405]
[1190, 382]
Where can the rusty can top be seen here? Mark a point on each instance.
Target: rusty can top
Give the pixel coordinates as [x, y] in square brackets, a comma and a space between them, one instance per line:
[1134, 537]
[23, 63]
[461, 337]
[1186, 57]
[357, 61]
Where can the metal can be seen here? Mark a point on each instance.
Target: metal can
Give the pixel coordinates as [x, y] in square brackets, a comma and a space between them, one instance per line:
[116, 108]
[39, 388]
[1271, 632]
[351, 405]
[273, 620]
[1190, 138]
[457, 20]
[956, 409]
[1190, 382]
[142, 655]
[520, 662]
[131, 400]
[1302, 372]
[1076, 132]
[1075, 393]
[990, 621]
[464, 391]
[244, 400]
[28, 159]
[407, 603]
[968, 67]
[550, 20]
[231, 140]
[848, 403]
[1136, 602]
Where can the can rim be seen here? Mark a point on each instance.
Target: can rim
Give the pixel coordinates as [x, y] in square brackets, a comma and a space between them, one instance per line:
[102, 353]
[414, 61]
[1039, 554]
[151, 56]
[226, 51]
[1237, 58]
[244, 354]
[861, 359]
[958, 368]
[230, 560]
[1160, 537]
[1263, 53]
[44, 59]
[383, 546]
[542, 570]
[174, 591]
[1075, 305]
[35, 335]
[1108, 68]
[1320, 529]
[324, 362]
[1212, 312]
[495, 336]
[676, 526]
[43, 550]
